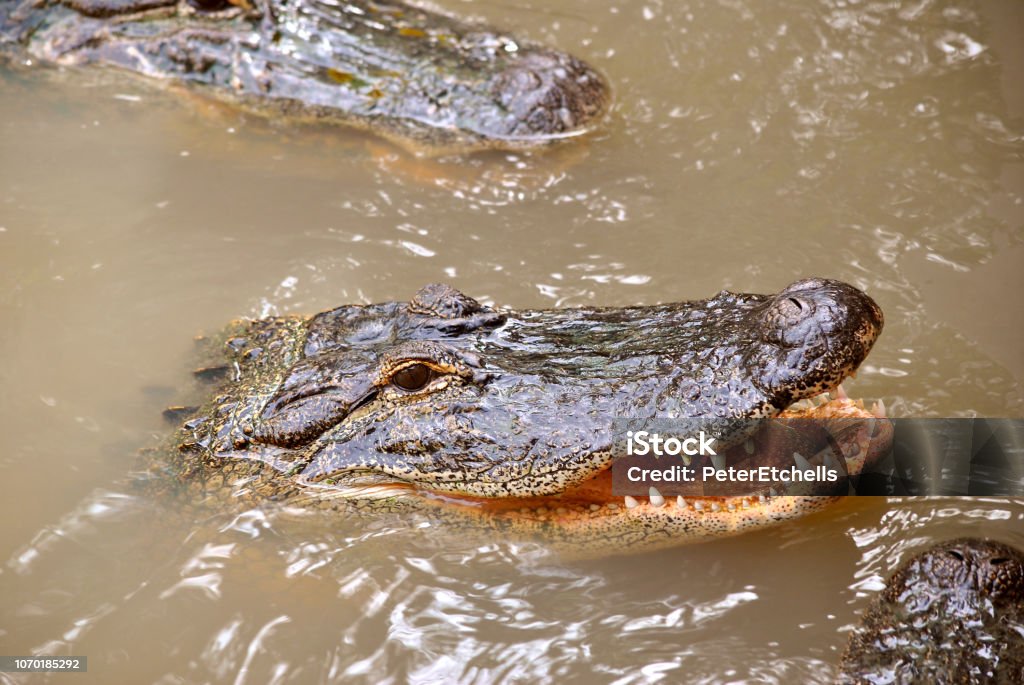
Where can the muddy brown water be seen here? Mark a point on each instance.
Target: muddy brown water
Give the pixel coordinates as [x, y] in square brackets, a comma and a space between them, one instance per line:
[750, 144]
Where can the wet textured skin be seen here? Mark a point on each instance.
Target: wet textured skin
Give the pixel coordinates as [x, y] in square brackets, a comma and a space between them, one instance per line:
[951, 614]
[504, 418]
[406, 72]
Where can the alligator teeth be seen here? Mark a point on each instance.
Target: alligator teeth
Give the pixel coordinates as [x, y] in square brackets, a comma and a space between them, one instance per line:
[680, 502]
[687, 460]
[841, 393]
[829, 459]
[719, 461]
[748, 445]
[698, 505]
[762, 499]
[631, 503]
[715, 506]
[801, 462]
[595, 507]
[878, 409]
[656, 499]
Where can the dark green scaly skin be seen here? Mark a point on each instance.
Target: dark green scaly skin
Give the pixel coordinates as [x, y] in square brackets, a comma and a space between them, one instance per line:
[952, 614]
[516, 404]
[417, 75]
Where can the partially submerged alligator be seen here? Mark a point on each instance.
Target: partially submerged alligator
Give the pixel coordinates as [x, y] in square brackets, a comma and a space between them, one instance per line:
[951, 614]
[401, 70]
[504, 418]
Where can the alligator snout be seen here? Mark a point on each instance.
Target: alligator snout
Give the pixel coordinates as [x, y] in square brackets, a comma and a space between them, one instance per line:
[548, 95]
[813, 334]
[986, 568]
[814, 308]
[951, 613]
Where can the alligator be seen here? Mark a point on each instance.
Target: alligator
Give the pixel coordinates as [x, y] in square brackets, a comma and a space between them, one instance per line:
[413, 74]
[951, 614]
[505, 418]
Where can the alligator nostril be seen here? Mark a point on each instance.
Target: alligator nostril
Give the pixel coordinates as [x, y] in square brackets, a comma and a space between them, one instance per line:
[997, 561]
[798, 303]
[956, 555]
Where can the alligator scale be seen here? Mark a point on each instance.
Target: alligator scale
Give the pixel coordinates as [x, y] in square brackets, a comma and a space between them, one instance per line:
[419, 76]
[505, 417]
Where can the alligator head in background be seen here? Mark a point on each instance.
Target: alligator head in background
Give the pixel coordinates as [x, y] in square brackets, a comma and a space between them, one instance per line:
[953, 613]
[447, 403]
[404, 71]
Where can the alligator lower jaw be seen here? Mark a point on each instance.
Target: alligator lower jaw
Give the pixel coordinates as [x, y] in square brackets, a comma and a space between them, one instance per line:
[588, 515]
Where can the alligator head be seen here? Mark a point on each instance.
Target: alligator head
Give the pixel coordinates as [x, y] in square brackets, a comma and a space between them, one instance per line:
[402, 70]
[951, 614]
[444, 401]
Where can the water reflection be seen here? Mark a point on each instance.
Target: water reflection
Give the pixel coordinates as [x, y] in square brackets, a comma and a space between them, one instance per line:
[750, 144]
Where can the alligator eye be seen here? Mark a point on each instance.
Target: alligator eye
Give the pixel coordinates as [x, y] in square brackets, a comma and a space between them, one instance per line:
[210, 5]
[413, 377]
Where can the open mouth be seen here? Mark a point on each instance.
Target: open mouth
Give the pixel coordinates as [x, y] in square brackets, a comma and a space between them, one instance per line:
[865, 435]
